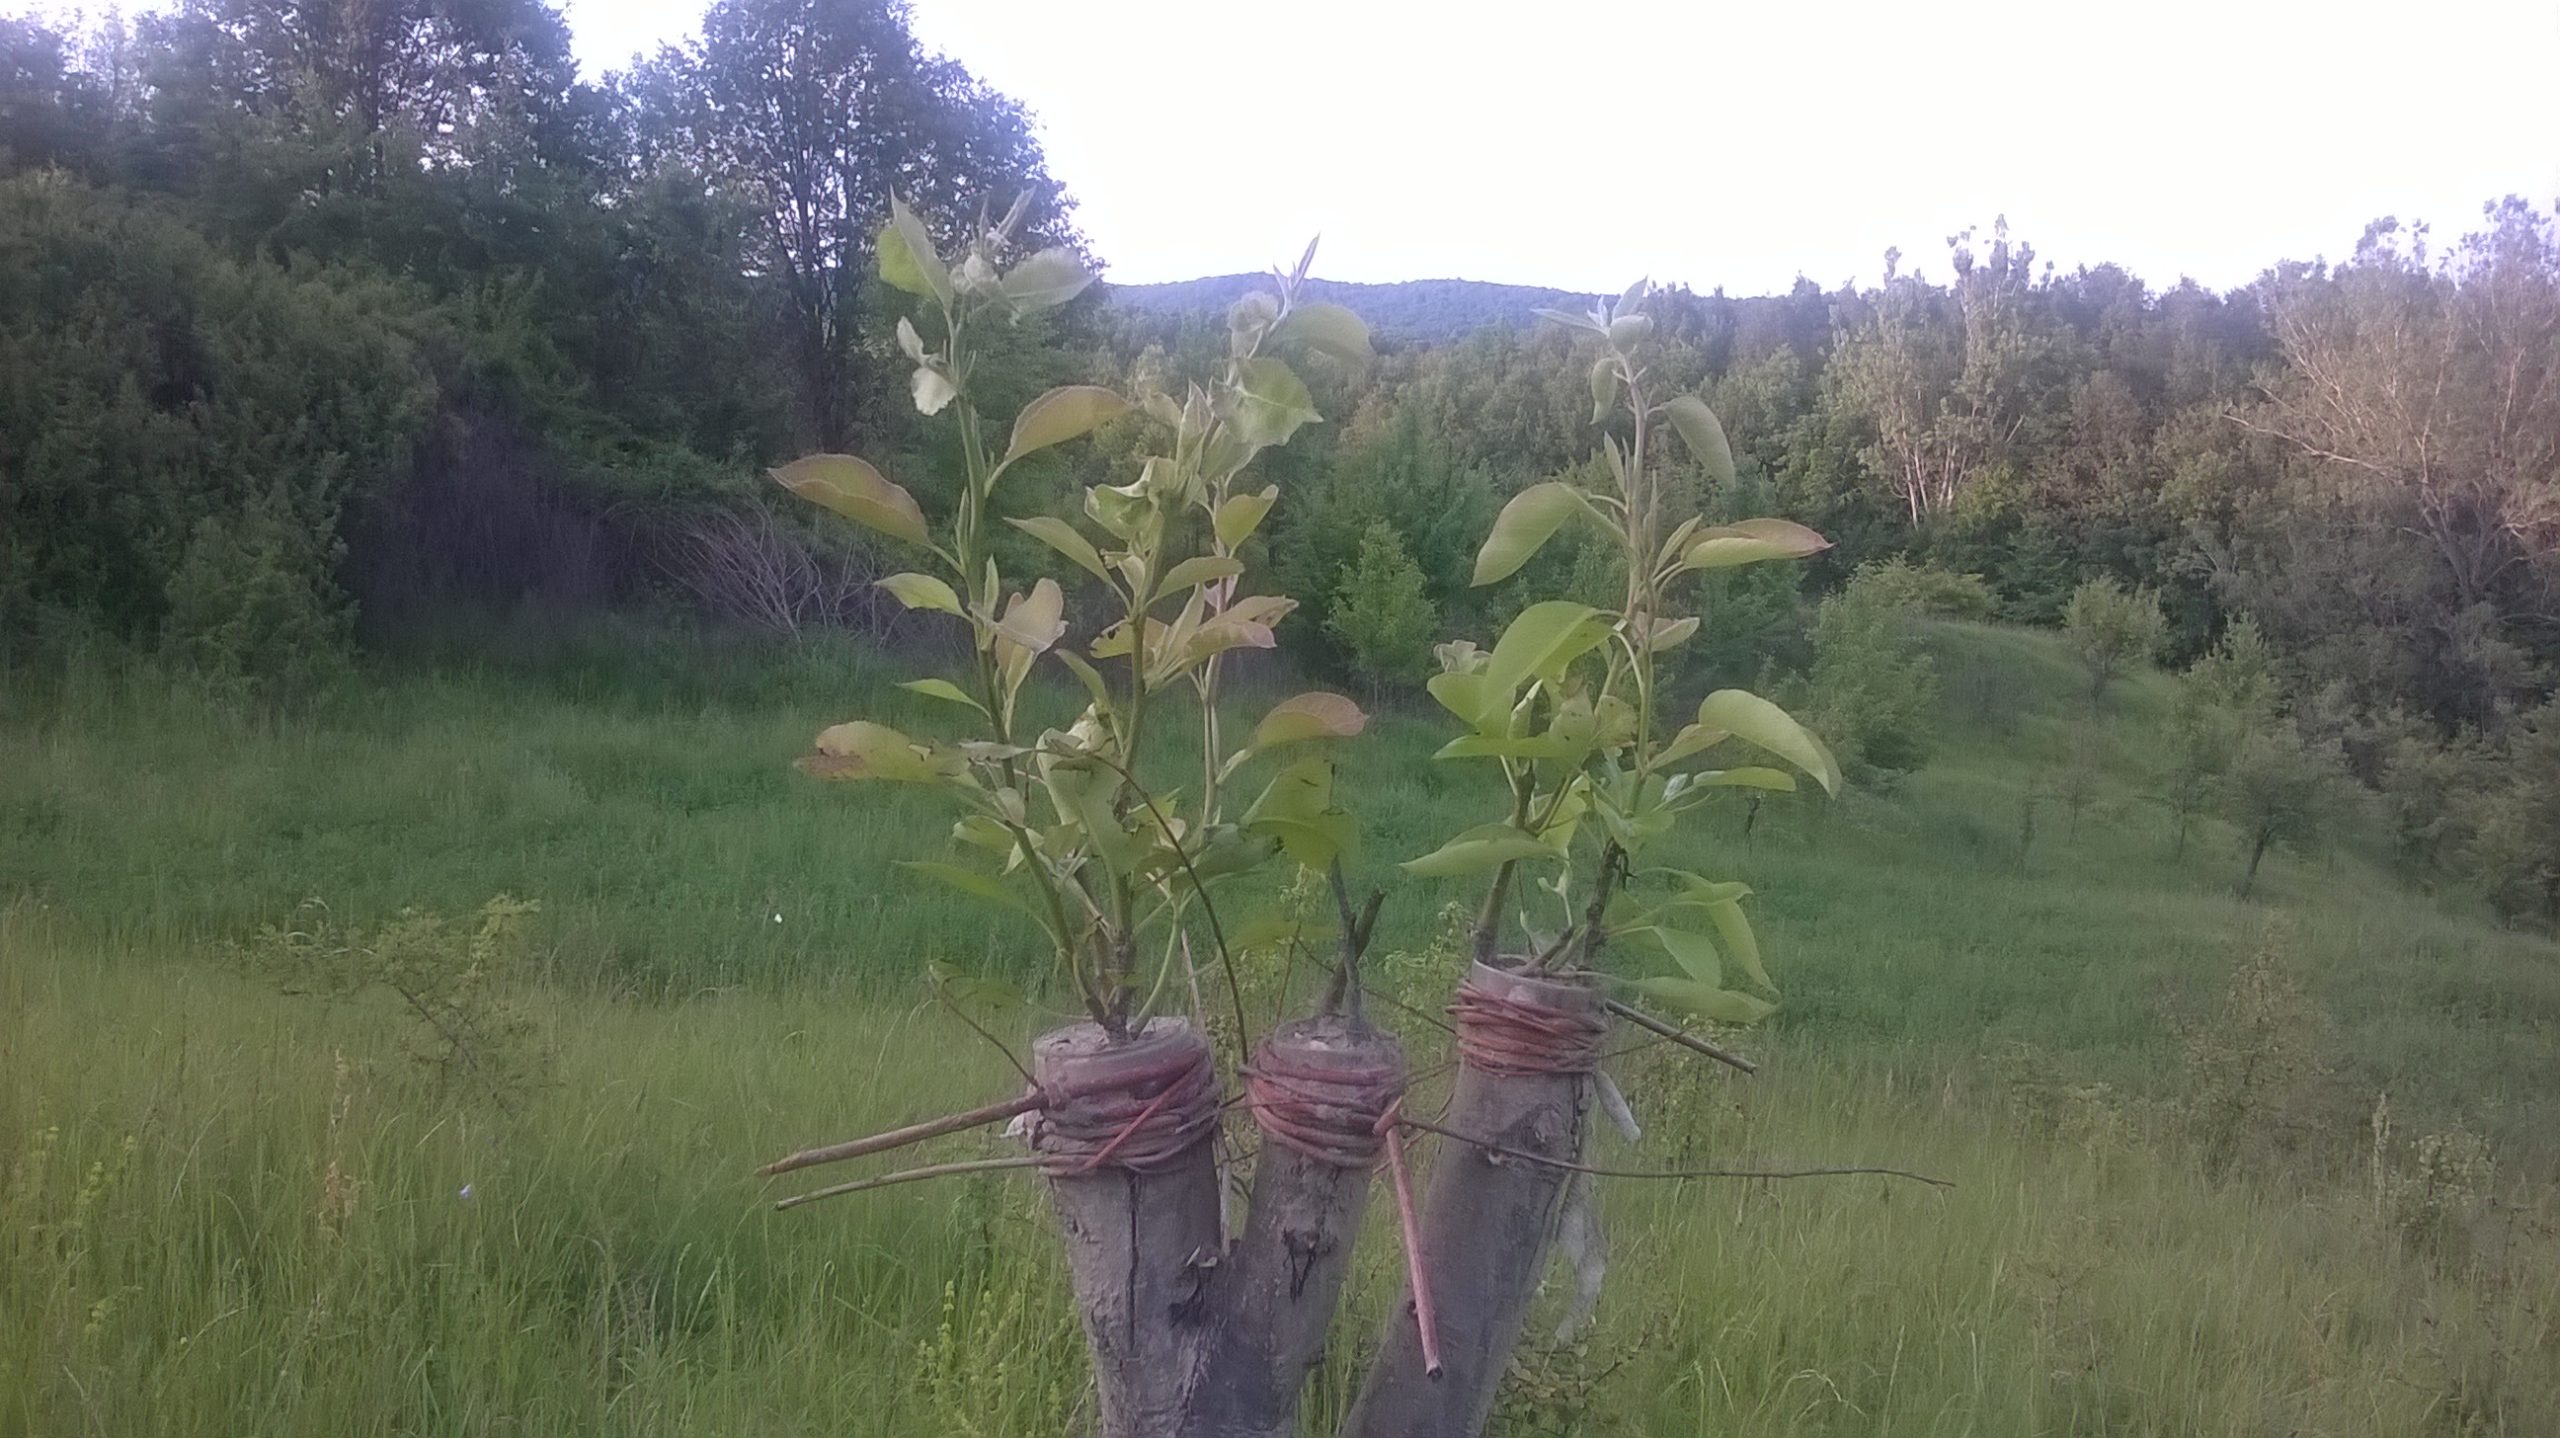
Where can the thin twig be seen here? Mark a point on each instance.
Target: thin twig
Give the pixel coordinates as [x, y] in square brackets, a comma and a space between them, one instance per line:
[912, 1133]
[1208, 906]
[1299, 952]
[992, 1041]
[1539, 961]
[1570, 1167]
[910, 1175]
[1678, 1035]
[1417, 1270]
[1357, 922]
[1613, 867]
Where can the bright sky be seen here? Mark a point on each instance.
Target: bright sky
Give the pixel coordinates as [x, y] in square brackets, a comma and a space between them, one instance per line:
[1586, 143]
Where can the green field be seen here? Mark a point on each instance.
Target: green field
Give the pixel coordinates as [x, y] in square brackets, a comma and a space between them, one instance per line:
[230, 1208]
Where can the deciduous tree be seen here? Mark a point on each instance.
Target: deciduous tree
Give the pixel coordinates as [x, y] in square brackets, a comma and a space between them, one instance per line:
[818, 111]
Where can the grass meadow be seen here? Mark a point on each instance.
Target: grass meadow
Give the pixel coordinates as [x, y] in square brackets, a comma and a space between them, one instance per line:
[2281, 1167]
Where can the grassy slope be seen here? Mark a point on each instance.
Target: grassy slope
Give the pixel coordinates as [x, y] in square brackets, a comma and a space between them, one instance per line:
[1949, 1009]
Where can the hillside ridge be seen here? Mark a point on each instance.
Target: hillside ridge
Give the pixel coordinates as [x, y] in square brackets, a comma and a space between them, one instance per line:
[1430, 309]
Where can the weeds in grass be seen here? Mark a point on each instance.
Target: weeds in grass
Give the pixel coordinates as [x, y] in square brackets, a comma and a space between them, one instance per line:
[2429, 1191]
[467, 1030]
[2254, 1068]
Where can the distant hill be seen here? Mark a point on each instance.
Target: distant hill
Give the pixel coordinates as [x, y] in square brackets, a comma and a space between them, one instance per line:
[1426, 310]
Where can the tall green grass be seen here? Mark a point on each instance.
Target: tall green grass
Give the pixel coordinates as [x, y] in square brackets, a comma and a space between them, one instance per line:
[232, 1210]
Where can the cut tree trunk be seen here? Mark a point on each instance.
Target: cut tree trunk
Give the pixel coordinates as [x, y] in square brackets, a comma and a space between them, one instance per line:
[1142, 1246]
[1286, 1270]
[1487, 1223]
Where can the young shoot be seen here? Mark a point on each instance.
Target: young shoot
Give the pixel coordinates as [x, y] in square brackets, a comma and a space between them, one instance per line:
[1566, 708]
[1060, 825]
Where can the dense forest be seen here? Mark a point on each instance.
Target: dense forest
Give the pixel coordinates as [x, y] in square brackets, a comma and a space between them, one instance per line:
[319, 321]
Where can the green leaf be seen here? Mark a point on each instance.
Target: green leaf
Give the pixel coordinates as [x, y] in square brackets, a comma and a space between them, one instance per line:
[1081, 794]
[1503, 746]
[1467, 696]
[945, 690]
[1314, 841]
[1692, 739]
[907, 260]
[1754, 720]
[1231, 630]
[1091, 677]
[1487, 846]
[1045, 281]
[1162, 478]
[857, 491]
[1226, 850]
[1328, 329]
[1064, 538]
[1242, 514]
[864, 750]
[1272, 404]
[1704, 434]
[1061, 415]
[1604, 386]
[1678, 543]
[1740, 944]
[1297, 809]
[1694, 953]
[1671, 633]
[970, 881]
[1707, 1001]
[1545, 638]
[1698, 890]
[1249, 319]
[1034, 621]
[910, 343]
[1121, 509]
[1749, 542]
[1198, 570]
[923, 591]
[1523, 528]
[1746, 777]
[1312, 715]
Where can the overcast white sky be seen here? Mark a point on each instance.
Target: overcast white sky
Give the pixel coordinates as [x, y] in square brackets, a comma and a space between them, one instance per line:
[1584, 143]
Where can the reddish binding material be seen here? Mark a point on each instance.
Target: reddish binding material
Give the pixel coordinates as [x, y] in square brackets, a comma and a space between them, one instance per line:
[1332, 1113]
[1509, 1038]
[1144, 1121]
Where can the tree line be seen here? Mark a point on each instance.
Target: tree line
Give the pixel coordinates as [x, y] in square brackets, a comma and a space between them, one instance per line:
[351, 301]
[318, 318]
[2350, 471]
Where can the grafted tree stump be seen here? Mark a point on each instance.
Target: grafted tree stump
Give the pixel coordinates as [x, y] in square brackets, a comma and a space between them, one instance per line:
[1319, 1087]
[1487, 1220]
[1141, 1223]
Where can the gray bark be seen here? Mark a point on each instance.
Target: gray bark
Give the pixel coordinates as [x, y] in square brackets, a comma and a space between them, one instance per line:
[1285, 1273]
[1142, 1248]
[1487, 1223]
